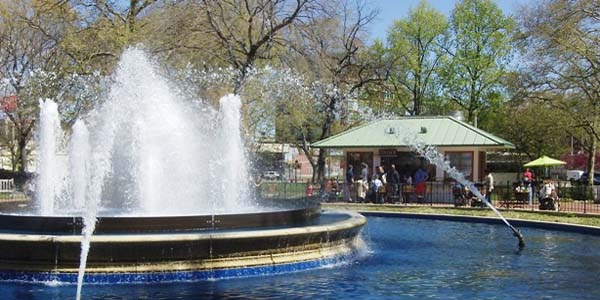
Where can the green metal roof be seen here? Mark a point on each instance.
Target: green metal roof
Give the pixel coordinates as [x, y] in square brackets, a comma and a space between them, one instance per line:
[436, 131]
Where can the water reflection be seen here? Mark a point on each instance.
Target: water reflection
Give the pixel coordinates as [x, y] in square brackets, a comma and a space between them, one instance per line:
[407, 259]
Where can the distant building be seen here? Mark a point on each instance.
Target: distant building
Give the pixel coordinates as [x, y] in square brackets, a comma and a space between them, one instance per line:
[284, 158]
[383, 143]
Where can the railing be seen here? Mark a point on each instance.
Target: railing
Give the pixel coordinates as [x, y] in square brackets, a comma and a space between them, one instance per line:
[577, 199]
[11, 191]
[7, 185]
[7, 189]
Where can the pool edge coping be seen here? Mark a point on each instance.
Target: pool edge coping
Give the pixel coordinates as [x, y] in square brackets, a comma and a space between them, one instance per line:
[586, 229]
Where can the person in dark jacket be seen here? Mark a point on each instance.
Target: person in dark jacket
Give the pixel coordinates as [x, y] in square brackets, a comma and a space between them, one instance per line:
[349, 182]
[394, 180]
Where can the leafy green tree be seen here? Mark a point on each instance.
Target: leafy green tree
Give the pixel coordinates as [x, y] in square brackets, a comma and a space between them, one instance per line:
[478, 55]
[563, 50]
[535, 130]
[416, 44]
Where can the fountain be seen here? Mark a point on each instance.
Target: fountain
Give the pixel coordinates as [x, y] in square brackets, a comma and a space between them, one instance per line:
[432, 155]
[149, 207]
[149, 187]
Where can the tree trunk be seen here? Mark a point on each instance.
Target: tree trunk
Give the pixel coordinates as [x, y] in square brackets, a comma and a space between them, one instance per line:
[131, 15]
[591, 161]
[326, 131]
[321, 165]
[22, 155]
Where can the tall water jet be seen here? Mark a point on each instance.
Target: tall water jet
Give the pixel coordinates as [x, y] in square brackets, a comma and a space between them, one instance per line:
[79, 166]
[233, 160]
[48, 161]
[154, 152]
[79, 155]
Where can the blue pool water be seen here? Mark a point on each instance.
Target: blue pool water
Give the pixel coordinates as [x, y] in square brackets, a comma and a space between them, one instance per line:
[403, 259]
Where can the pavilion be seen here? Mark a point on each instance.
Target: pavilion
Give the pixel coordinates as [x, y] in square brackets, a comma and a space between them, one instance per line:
[387, 142]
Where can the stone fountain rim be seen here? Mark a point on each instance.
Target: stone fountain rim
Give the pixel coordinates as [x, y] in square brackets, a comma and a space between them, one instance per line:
[299, 212]
[352, 219]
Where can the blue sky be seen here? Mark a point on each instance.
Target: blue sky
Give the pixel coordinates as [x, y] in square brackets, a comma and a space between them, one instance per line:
[390, 10]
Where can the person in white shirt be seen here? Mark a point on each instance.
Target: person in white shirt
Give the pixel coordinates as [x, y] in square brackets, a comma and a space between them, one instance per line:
[376, 184]
[361, 187]
[489, 183]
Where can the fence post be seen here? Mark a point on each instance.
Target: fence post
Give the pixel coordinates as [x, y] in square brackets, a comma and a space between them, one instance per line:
[432, 192]
[510, 193]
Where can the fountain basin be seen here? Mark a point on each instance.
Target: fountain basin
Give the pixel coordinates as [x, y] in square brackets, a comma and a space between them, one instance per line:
[296, 238]
[274, 213]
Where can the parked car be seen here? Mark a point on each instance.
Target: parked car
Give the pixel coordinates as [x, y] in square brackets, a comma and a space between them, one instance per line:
[583, 179]
[574, 175]
[271, 175]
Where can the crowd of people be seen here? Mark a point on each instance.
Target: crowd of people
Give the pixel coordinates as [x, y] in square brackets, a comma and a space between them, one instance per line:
[547, 190]
[390, 186]
[383, 186]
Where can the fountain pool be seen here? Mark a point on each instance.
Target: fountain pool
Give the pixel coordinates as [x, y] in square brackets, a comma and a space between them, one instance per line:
[403, 259]
[151, 186]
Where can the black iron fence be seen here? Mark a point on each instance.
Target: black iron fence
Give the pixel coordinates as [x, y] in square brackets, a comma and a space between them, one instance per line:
[577, 199]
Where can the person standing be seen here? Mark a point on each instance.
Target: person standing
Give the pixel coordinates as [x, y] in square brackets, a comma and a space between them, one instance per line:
[408, 180]
[349, 183]
[361, 187]
[420, 177]
[394, 179]
[407, 188]
[528, 178]
[489, 183]
[374, 189]
[381, 174]
[364, 172]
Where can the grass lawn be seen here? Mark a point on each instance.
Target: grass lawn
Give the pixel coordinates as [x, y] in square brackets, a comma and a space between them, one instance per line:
[12, 196]
[283, 189]
[558, 217]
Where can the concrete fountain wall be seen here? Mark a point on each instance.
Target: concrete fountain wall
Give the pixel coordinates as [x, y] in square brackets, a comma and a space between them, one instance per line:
[173, 249]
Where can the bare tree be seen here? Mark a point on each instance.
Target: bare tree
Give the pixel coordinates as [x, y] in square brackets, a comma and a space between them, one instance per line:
[249, 29]
[118, 13]
[336, 57]
[29, 58]
[101, 29]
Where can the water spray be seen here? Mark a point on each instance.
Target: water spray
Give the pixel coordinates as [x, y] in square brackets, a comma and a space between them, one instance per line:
[433, 156]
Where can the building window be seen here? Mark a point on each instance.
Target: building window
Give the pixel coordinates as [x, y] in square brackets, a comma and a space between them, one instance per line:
[462, 161]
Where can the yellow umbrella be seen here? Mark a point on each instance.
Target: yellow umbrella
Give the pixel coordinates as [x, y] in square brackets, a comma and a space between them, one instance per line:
[544, 161]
